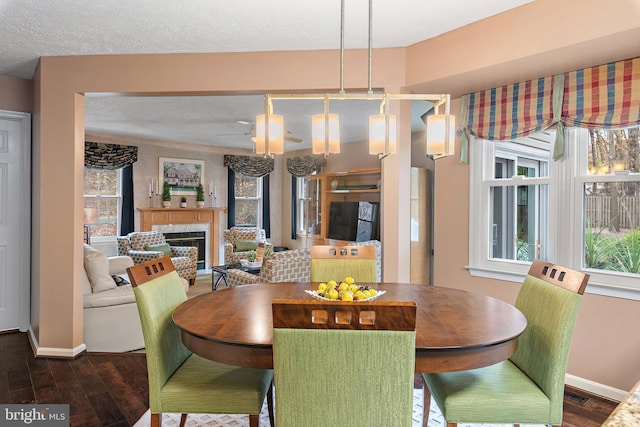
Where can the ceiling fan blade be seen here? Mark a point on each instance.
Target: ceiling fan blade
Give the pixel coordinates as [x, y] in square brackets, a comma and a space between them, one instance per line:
[293, 139]
[234, 134]
[287, 137]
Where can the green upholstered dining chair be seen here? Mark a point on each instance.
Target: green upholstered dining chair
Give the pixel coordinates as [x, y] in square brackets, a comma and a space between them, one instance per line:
[337, 262]
[179, 381]
[343, 364]
[528, 387]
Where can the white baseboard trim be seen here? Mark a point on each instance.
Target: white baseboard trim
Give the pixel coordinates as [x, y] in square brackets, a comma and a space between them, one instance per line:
[572, 380]
[39, 351]
[595, 388]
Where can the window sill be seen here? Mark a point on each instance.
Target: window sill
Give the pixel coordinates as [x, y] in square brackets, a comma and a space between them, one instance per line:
[593, 287]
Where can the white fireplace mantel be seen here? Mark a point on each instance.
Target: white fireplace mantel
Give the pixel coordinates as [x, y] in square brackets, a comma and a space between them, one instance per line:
[150, 217]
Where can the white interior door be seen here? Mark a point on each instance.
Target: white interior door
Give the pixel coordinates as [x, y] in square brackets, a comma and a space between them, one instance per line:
[15, 195]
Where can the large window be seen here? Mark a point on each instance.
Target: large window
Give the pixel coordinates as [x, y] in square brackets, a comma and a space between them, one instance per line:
[248, 201]
[610, 187]
[103, 202]
[518, 231]
[582, 211]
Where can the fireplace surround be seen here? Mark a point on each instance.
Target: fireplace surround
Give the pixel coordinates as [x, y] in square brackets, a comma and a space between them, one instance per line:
[189, 220]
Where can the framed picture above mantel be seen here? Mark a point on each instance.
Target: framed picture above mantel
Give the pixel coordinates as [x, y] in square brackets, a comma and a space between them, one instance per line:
[183, 175]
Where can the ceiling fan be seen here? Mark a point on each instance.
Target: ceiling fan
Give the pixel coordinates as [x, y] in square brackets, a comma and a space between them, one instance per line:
[252, 133]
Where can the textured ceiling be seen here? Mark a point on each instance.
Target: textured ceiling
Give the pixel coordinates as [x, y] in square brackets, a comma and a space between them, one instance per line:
[34, 28]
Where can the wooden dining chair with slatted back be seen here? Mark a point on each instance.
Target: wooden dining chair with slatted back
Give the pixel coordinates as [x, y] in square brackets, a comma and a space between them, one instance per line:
[343, 364]
[337, 262]
[529, 387]
[180, 381]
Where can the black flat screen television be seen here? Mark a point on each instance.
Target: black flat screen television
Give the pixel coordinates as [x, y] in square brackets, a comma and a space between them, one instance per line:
[354, 221]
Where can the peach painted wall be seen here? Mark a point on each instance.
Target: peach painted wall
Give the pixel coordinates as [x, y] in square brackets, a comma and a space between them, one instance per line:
[60, 142]
[540, 38]
[533, 39]
[605, 348]
[16, 94]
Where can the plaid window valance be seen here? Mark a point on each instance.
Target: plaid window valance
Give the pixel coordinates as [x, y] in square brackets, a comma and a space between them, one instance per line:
[604, 96]
[511, 111]
[109, 156]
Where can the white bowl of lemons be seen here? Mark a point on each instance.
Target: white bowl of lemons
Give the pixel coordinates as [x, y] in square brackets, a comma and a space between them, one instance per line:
[346, 290]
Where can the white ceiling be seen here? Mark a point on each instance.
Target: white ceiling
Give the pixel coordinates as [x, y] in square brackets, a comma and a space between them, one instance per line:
[34, 28]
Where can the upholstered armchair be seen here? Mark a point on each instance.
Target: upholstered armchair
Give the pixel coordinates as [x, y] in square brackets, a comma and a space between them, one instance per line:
[144, 246]
[240, 240]
[378, 246]
[285, 266]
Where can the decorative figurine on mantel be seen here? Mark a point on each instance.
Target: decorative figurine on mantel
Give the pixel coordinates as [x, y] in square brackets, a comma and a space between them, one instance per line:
[166, 195]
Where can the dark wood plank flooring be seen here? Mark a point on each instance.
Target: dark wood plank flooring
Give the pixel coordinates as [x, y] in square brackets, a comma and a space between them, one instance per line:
[111, 389]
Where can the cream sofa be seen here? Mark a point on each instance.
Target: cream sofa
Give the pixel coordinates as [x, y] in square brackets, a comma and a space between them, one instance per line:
[111, 320]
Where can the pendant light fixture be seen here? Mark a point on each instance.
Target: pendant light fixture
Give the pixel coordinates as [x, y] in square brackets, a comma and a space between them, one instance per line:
[441, 132]
[383, 131]
[325, 132]
[269, 131]
[383, 127]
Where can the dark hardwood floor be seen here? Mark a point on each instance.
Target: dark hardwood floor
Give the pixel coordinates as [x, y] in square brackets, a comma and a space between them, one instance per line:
[111, 389]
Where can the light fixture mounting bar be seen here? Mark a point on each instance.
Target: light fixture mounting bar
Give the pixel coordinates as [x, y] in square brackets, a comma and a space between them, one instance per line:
[438, 98]
[370, 50]
[342, 46]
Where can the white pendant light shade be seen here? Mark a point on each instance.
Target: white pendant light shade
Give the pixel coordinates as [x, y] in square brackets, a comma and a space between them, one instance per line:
[436, 126]
[276, 134]
[377, 134]
[318, 140]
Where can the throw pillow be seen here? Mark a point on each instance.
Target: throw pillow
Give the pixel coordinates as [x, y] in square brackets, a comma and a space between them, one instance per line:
[246, 245]
[96, 265]
[160, 247]
[119, 280]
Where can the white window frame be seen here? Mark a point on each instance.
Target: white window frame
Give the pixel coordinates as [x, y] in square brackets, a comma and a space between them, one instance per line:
[482, 173]
[118, 197]
[530, 157]
[259, 183]
[608, 283]
[565, 220]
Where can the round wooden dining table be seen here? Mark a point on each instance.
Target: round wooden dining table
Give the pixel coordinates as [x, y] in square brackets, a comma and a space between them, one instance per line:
[455, 329]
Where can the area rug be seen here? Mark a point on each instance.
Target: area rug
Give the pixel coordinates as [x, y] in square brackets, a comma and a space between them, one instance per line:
[210, 420]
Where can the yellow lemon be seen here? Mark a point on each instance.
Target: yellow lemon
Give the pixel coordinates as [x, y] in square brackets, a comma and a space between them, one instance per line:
[343, 286]
[332, 284]
[353, 288]
[332, 294]
[373, 292]
[322, 287]
[367, 293]
[360, 295]
[347, 296]
[349, 280]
